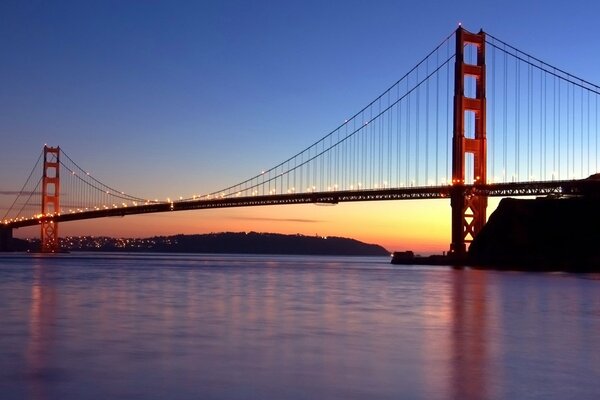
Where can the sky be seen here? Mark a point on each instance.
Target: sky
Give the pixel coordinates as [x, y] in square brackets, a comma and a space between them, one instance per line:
[171, 98]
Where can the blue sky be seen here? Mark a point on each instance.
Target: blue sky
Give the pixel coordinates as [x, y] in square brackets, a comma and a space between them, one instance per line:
[169, 98]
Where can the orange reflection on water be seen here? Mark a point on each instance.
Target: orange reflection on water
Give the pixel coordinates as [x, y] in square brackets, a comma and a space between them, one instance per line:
[41, 321]
[469, 366]
[459, 342]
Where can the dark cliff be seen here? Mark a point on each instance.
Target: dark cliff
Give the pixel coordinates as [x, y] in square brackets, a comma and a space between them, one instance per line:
[543, 234]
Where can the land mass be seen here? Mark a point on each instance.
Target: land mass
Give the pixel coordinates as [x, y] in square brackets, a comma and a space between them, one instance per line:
[226, 242]
[544, 234]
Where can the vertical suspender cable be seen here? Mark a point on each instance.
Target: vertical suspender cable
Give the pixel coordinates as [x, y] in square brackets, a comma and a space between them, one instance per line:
[505, 119]
[427, 124]
[543, 125]
[437, 119]
[516, 154]
[448, 103]
[492, 131]
[417, 132]
[559, 127]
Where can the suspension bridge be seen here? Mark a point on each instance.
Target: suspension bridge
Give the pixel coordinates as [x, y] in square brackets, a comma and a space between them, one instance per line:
[476, 117]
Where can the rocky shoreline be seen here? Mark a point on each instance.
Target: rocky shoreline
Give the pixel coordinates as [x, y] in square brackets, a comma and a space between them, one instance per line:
[543, 234]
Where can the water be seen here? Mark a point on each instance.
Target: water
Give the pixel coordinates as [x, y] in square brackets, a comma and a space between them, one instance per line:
[245, 327]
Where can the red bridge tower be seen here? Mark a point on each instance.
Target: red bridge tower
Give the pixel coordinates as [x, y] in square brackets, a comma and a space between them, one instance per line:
[468, 210]
[50, 199]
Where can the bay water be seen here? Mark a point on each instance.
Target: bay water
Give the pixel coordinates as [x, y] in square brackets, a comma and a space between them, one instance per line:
[158, 326]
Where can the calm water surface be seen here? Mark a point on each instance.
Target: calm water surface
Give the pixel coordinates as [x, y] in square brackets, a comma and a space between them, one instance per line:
[243, 327]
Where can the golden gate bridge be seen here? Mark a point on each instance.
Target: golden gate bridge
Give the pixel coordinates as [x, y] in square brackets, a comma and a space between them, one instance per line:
[476, 117]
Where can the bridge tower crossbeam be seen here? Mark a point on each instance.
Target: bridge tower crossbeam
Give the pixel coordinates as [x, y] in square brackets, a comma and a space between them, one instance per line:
[468, 210]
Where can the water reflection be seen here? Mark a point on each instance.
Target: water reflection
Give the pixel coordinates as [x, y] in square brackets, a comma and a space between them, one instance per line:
[42, 316]
[294, 328]
[469, 366]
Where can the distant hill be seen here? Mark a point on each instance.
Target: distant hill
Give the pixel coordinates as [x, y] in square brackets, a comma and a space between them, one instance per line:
[227, 242]
[269, 243]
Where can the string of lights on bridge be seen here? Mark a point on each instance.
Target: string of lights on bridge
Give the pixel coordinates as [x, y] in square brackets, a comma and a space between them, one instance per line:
[542, 125]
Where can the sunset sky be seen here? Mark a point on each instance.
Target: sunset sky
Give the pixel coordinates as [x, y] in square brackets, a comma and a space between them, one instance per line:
[171, 98]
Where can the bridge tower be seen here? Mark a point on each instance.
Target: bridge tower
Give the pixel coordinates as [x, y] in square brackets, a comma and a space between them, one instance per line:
[50, 199]
[468, 210]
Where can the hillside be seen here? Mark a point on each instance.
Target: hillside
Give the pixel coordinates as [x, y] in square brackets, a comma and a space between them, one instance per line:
[227, 242]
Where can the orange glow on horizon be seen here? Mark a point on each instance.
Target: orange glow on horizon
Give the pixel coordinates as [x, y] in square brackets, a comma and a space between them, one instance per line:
[422, 226]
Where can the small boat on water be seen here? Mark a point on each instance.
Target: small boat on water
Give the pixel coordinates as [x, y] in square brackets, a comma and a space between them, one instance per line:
[403, 257]
[409, 258]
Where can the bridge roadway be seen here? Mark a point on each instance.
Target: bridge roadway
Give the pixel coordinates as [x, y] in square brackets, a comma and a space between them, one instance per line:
[543, 188]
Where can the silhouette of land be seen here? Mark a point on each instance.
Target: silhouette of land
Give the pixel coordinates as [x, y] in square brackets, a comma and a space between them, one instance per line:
[227, 242]
[544, 234]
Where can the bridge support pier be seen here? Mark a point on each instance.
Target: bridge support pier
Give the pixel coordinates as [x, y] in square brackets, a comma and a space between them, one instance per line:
[468, 209]
[6, 237]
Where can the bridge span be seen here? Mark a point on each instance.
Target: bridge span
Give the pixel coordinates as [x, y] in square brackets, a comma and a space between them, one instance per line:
[475, 118]
[547, 188]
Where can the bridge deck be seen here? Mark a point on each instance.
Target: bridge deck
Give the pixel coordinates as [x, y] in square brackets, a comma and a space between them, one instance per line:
[570, 187]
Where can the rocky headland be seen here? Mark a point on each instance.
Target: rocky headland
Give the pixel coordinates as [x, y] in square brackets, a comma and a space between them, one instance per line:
[543, 234]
